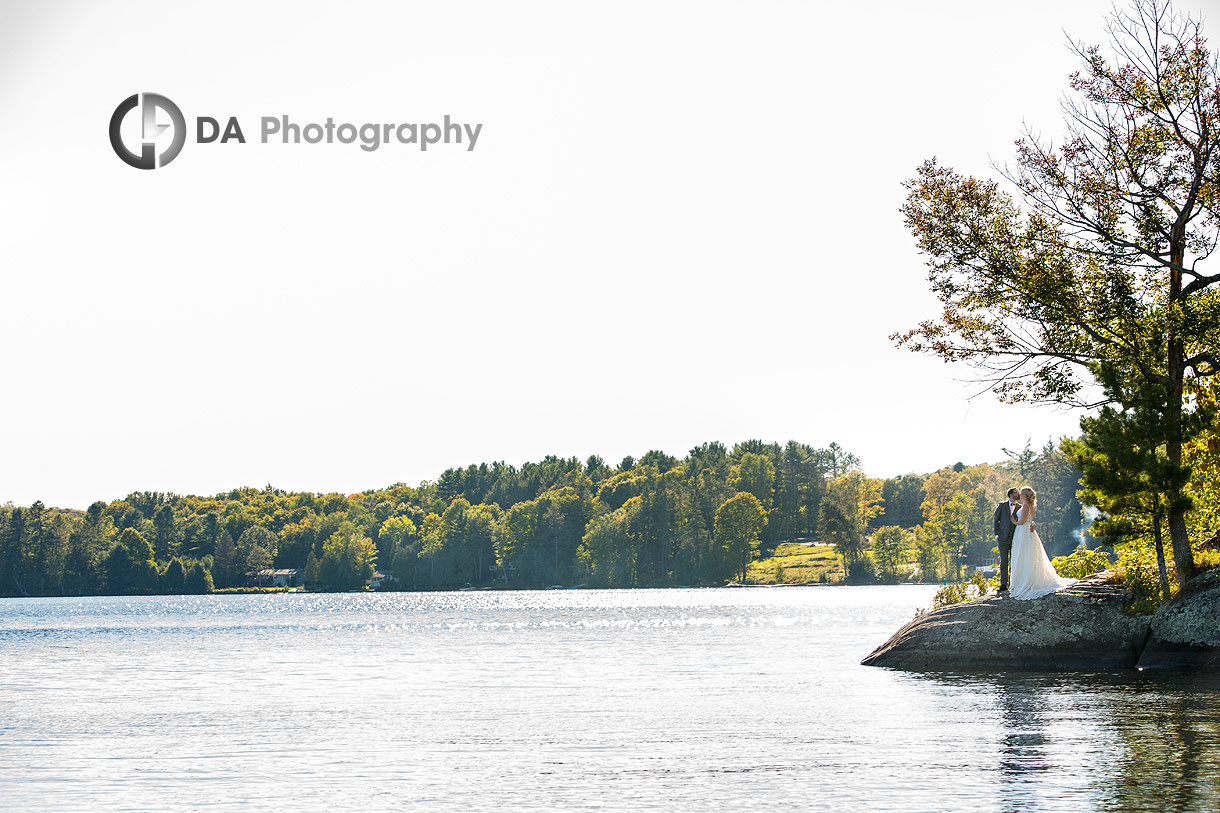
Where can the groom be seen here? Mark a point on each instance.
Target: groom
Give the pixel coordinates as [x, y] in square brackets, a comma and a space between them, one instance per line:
[1004, 522]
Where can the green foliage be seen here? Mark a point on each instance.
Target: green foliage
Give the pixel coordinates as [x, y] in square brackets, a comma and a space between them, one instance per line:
[930, 551]
[739, 523]
[902, 498]
[130, 568]
[1081, 563]
[249, 590]
[1128, 474]
[347, 560]
[862, 570]
[313, 569]
[165, 541]
[976, 586]
[610, 545]
[653, 522]
[755, 474]
[1137, 566]
[891, 547]
[255, 549]
[1093, 273]
[1207, 559]
[198, 581]
[394, 533]
[173, 579]
[840, 520]
[226, 558]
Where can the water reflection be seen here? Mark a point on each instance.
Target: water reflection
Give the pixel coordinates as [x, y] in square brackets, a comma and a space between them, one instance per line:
[1122, 741]
[1171, 750]
[571, 700]
[1023, 735]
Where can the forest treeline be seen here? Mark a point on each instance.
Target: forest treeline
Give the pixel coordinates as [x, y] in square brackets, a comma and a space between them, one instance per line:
[655, 521]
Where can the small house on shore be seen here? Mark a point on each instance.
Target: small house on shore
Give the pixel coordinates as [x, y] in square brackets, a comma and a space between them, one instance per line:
[990, 567]
[287, 577]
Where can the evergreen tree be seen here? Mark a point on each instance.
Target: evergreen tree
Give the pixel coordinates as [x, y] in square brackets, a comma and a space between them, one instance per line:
[198, 581]
[1127, 471]
[173, 580]
[164, 538]
[130, 568]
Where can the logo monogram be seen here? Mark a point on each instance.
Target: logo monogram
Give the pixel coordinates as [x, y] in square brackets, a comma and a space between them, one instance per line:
[148, 158]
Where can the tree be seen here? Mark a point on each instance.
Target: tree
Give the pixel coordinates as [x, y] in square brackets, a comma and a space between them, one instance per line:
[1059, 510]
[394, 532]
[901, 498]
[36, 564]
[1202, 457]
[402, 566]
[313, 572]
[258, 559]
[798, 484]
[755, 474]
[130, 568]
[1022, 462]
[596, 468]
[78, 566]
[482, 526]
[849, 505]
[164, 541]
[838, 524]
[226, 563]
[255, 551]
[12, 557]
[739, 521]
[296, 540]
[348, 560]
[432, 546]
[173, 580]
[867, 497]
[930, 551]
[609, 546]
[1099, 261]
[397, 543]
[198, 581]
[1126, 471]
[891, 545]
[955, 530]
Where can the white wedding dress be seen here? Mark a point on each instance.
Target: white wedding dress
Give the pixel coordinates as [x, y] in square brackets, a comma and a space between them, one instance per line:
[1032, 574]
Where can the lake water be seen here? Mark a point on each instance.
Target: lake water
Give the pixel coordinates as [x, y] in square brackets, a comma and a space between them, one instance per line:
[681, 700]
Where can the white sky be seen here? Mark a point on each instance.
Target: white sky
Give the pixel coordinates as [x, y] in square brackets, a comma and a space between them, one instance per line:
[679, 224]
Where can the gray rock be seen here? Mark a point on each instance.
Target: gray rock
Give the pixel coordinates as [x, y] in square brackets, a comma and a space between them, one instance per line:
[1079, 628]
[1186, 630]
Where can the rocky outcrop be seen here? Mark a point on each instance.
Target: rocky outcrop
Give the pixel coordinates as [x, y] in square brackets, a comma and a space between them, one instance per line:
[1186, 630]
[1078, 628]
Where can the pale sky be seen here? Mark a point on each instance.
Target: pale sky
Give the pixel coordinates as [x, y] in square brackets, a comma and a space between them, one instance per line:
[679, 224]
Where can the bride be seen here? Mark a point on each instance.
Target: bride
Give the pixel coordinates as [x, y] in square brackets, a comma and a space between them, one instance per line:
[1032, 572]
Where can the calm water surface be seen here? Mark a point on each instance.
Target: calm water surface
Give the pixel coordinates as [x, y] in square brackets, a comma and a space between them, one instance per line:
[564, 700]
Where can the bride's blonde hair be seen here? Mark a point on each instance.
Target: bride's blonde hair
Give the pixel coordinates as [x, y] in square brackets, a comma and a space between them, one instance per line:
[1029, 494]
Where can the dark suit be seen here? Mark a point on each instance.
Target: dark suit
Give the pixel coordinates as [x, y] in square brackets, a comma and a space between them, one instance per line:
[1004, 528]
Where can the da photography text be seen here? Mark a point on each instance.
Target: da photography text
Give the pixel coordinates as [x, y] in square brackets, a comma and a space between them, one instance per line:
[148, 131]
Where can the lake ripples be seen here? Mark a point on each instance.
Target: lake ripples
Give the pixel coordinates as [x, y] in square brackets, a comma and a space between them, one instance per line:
[564, 699]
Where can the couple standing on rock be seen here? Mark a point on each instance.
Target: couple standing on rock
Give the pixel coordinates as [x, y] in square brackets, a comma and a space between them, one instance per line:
[1032, 572]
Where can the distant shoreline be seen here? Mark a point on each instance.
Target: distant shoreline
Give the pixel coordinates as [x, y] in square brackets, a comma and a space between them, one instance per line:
[485, 589]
